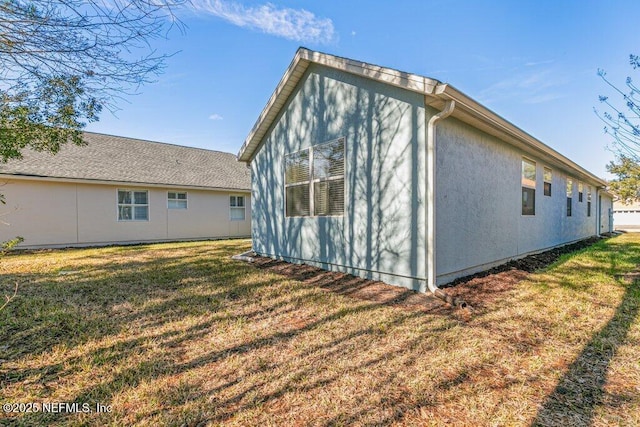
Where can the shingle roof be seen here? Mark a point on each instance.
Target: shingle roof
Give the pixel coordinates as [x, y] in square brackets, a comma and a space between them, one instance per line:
[119, 159]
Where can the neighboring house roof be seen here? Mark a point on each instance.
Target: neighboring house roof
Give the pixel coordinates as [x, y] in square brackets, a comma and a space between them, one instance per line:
[107, 158]
[436, 94]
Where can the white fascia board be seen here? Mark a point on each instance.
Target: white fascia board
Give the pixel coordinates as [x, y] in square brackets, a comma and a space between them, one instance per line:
[514, 134]
[7, 177]
[294, 73]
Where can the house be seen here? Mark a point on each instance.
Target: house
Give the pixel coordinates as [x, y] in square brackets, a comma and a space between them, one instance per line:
[123, 190]
[401, 178]
[626, 216]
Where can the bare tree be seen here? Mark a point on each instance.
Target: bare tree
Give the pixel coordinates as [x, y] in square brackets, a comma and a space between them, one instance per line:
[63, 62]
[622, 118]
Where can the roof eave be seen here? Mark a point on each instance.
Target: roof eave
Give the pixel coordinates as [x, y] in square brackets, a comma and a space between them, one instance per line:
[294, 73]
[479, 116]
[436, 93]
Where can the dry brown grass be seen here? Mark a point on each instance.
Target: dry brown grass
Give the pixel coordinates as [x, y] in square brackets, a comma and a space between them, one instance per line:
[179, 334]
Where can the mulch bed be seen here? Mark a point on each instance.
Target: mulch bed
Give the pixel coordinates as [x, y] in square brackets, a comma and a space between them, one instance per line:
[479, 290]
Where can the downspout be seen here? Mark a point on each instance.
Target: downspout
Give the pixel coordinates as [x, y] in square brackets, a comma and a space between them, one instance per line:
[430, 204]
[598, 209]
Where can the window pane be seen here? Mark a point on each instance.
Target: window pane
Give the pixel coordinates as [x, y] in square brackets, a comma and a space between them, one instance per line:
[547, 188]
[528, 173]
[329, 197]
[328, 159]
[528, 201]
[298, 200]
[124, 213]
[141, 212]
[547, 175]
[124, 196]
[237, 214]
[140, 197]
[568, 206]
[177, 204]
[232, 201]
[182, 196]
[240, 200]
[172, 195]
[297, 167]
[569, 187]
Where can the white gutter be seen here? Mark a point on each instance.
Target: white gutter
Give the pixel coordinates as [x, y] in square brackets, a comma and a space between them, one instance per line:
[430, 203]
[599, 213]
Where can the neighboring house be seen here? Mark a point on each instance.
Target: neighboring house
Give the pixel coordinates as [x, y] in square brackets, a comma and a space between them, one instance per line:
[352, 171]
[626, 216]
[124, 190]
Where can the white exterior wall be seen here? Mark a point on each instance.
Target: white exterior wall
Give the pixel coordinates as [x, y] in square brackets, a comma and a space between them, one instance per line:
[49, 213]
[479, 219]
[626, 217]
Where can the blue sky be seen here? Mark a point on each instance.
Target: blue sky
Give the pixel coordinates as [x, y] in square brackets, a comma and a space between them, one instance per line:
[533, 62]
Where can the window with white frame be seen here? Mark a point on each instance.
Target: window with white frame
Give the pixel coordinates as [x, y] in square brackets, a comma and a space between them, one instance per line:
[237, 211]
[176, 200]
[589, 200]
[314, 180]
[528, 187]
[547, 181]
[569, 195]
[133, 205]
[580, 190]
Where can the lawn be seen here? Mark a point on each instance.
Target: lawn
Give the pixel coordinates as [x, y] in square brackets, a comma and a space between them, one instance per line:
[180, 334]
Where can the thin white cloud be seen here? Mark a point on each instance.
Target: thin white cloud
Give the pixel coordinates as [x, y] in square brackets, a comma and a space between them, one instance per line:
[215, 117]
[531, 86]
[293, 24]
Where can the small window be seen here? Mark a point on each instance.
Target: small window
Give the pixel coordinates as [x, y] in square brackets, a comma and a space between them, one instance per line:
[237, 208]
[589, 201]
[528, 201]
[580, 190]
[133, 205]
[569, 195]
[547, 181]
[176, 200]
[528, 187]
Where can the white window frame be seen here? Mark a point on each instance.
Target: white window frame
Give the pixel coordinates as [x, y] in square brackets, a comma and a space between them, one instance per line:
[132, 204]
[545, 181]
[526, 183]
[185, 200]
[235, 207]
[313, 180]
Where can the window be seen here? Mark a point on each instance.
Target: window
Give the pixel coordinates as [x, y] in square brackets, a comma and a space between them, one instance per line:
[176, 200]
[133, 205]
[580, 188]
[528, 187]
[237, 208]
[314, 180]
[589, 201]
[569, 194]
[547, 181]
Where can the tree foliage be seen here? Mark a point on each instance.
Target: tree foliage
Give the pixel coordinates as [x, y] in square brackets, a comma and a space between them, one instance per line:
[622, 118]
[63, 62]
[627, 184]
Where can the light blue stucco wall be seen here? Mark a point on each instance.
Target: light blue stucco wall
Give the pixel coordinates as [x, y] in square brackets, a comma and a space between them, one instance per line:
[381, 235]
[479, 219]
